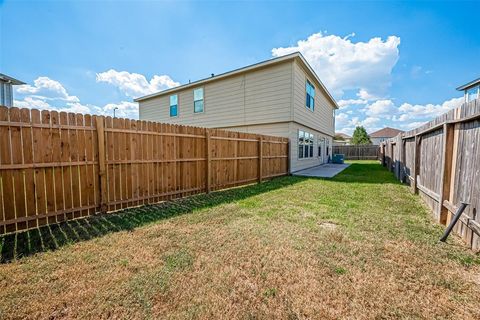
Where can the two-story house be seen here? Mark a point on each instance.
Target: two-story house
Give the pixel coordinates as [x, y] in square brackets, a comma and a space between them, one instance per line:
[382, 135]
[282, 97]
[471, 90]
[6, 89]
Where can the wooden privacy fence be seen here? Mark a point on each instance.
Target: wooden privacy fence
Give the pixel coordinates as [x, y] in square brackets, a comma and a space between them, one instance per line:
[59, 166]
[363, 152]
[441, 161]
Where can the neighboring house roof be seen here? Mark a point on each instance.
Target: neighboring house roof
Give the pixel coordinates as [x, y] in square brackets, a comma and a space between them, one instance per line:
[469, 85]
[343, 135]
[5, 78]
[295, 55]
[386, 132]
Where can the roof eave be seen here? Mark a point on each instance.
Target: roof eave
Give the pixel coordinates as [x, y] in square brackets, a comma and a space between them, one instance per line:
[11, 80]
[221, 76]
[469, 85]
[335, 105]
[293, 55]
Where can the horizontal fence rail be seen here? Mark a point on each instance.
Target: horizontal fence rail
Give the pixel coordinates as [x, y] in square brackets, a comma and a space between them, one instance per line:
[56, 166]
[441, 162]
[362, 152]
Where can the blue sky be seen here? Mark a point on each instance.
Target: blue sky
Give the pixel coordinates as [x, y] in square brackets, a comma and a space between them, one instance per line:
[387, 63]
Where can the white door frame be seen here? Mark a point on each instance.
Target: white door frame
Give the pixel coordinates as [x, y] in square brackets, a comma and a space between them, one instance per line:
[321, 142]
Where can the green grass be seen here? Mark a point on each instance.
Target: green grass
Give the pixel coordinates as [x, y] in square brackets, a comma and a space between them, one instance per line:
[359, 245]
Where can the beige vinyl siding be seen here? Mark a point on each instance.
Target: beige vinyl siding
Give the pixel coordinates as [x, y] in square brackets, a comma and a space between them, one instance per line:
[377, 141]
[268, 100]
[297, 163]
[268, 95]
[321, 118]
[290, 130]
[151, 110]
[272, 129]
[258, 96]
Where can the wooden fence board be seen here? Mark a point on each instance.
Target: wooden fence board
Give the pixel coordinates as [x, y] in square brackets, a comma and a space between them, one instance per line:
[39, 177]
[27, 144]
[362, 152]
[7, 175]
[445, 163]
[57, 166]
[16, 145]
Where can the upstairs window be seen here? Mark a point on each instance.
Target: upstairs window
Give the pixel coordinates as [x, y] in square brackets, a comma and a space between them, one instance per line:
[310, 94]
[173, 105]
[198, 100]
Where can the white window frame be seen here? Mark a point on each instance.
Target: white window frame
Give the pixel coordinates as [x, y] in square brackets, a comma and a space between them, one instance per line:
[321, 148]
[314, 93]
[203, 100]
[310, 145]
[170, 106]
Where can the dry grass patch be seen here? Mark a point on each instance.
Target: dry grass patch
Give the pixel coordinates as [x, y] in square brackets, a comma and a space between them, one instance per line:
[356, 246]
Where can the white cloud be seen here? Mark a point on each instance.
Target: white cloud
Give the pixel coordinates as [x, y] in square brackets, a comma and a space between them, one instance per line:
[34, 103]
[124, 109]
[346, 130]
[412, 125]
[135, 84]
[365, 95]
[31, 103]
[344, 65]
[370, 121]
[344, 121]
[48, 94]
[381, 113]
[355, 121]
[341, 119]
[45, 88]
[77, 107]
[408, 111]
[383, 108]
[344, 103]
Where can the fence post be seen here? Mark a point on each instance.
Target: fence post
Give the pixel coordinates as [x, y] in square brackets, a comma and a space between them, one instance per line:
[417, 164]
[403, 159]
[288, 157]
[382, 153]
[400, 157]
[208, 160]
[260, 158]
[446, 174]
[99, 121]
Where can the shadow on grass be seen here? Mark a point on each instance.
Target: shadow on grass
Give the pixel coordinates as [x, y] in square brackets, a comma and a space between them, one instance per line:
[54, 236]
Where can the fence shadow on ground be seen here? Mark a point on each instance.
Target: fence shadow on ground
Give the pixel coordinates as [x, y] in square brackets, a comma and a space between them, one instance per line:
[55, 236]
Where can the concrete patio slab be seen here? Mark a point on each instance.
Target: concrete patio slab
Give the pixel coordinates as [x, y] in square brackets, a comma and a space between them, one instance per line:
[329, 170]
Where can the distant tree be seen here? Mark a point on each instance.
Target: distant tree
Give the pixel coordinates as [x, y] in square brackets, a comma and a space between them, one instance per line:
[338, 138]
[360, 136]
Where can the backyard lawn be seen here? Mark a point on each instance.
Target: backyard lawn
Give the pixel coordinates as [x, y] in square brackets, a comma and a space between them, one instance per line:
[355, 246]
